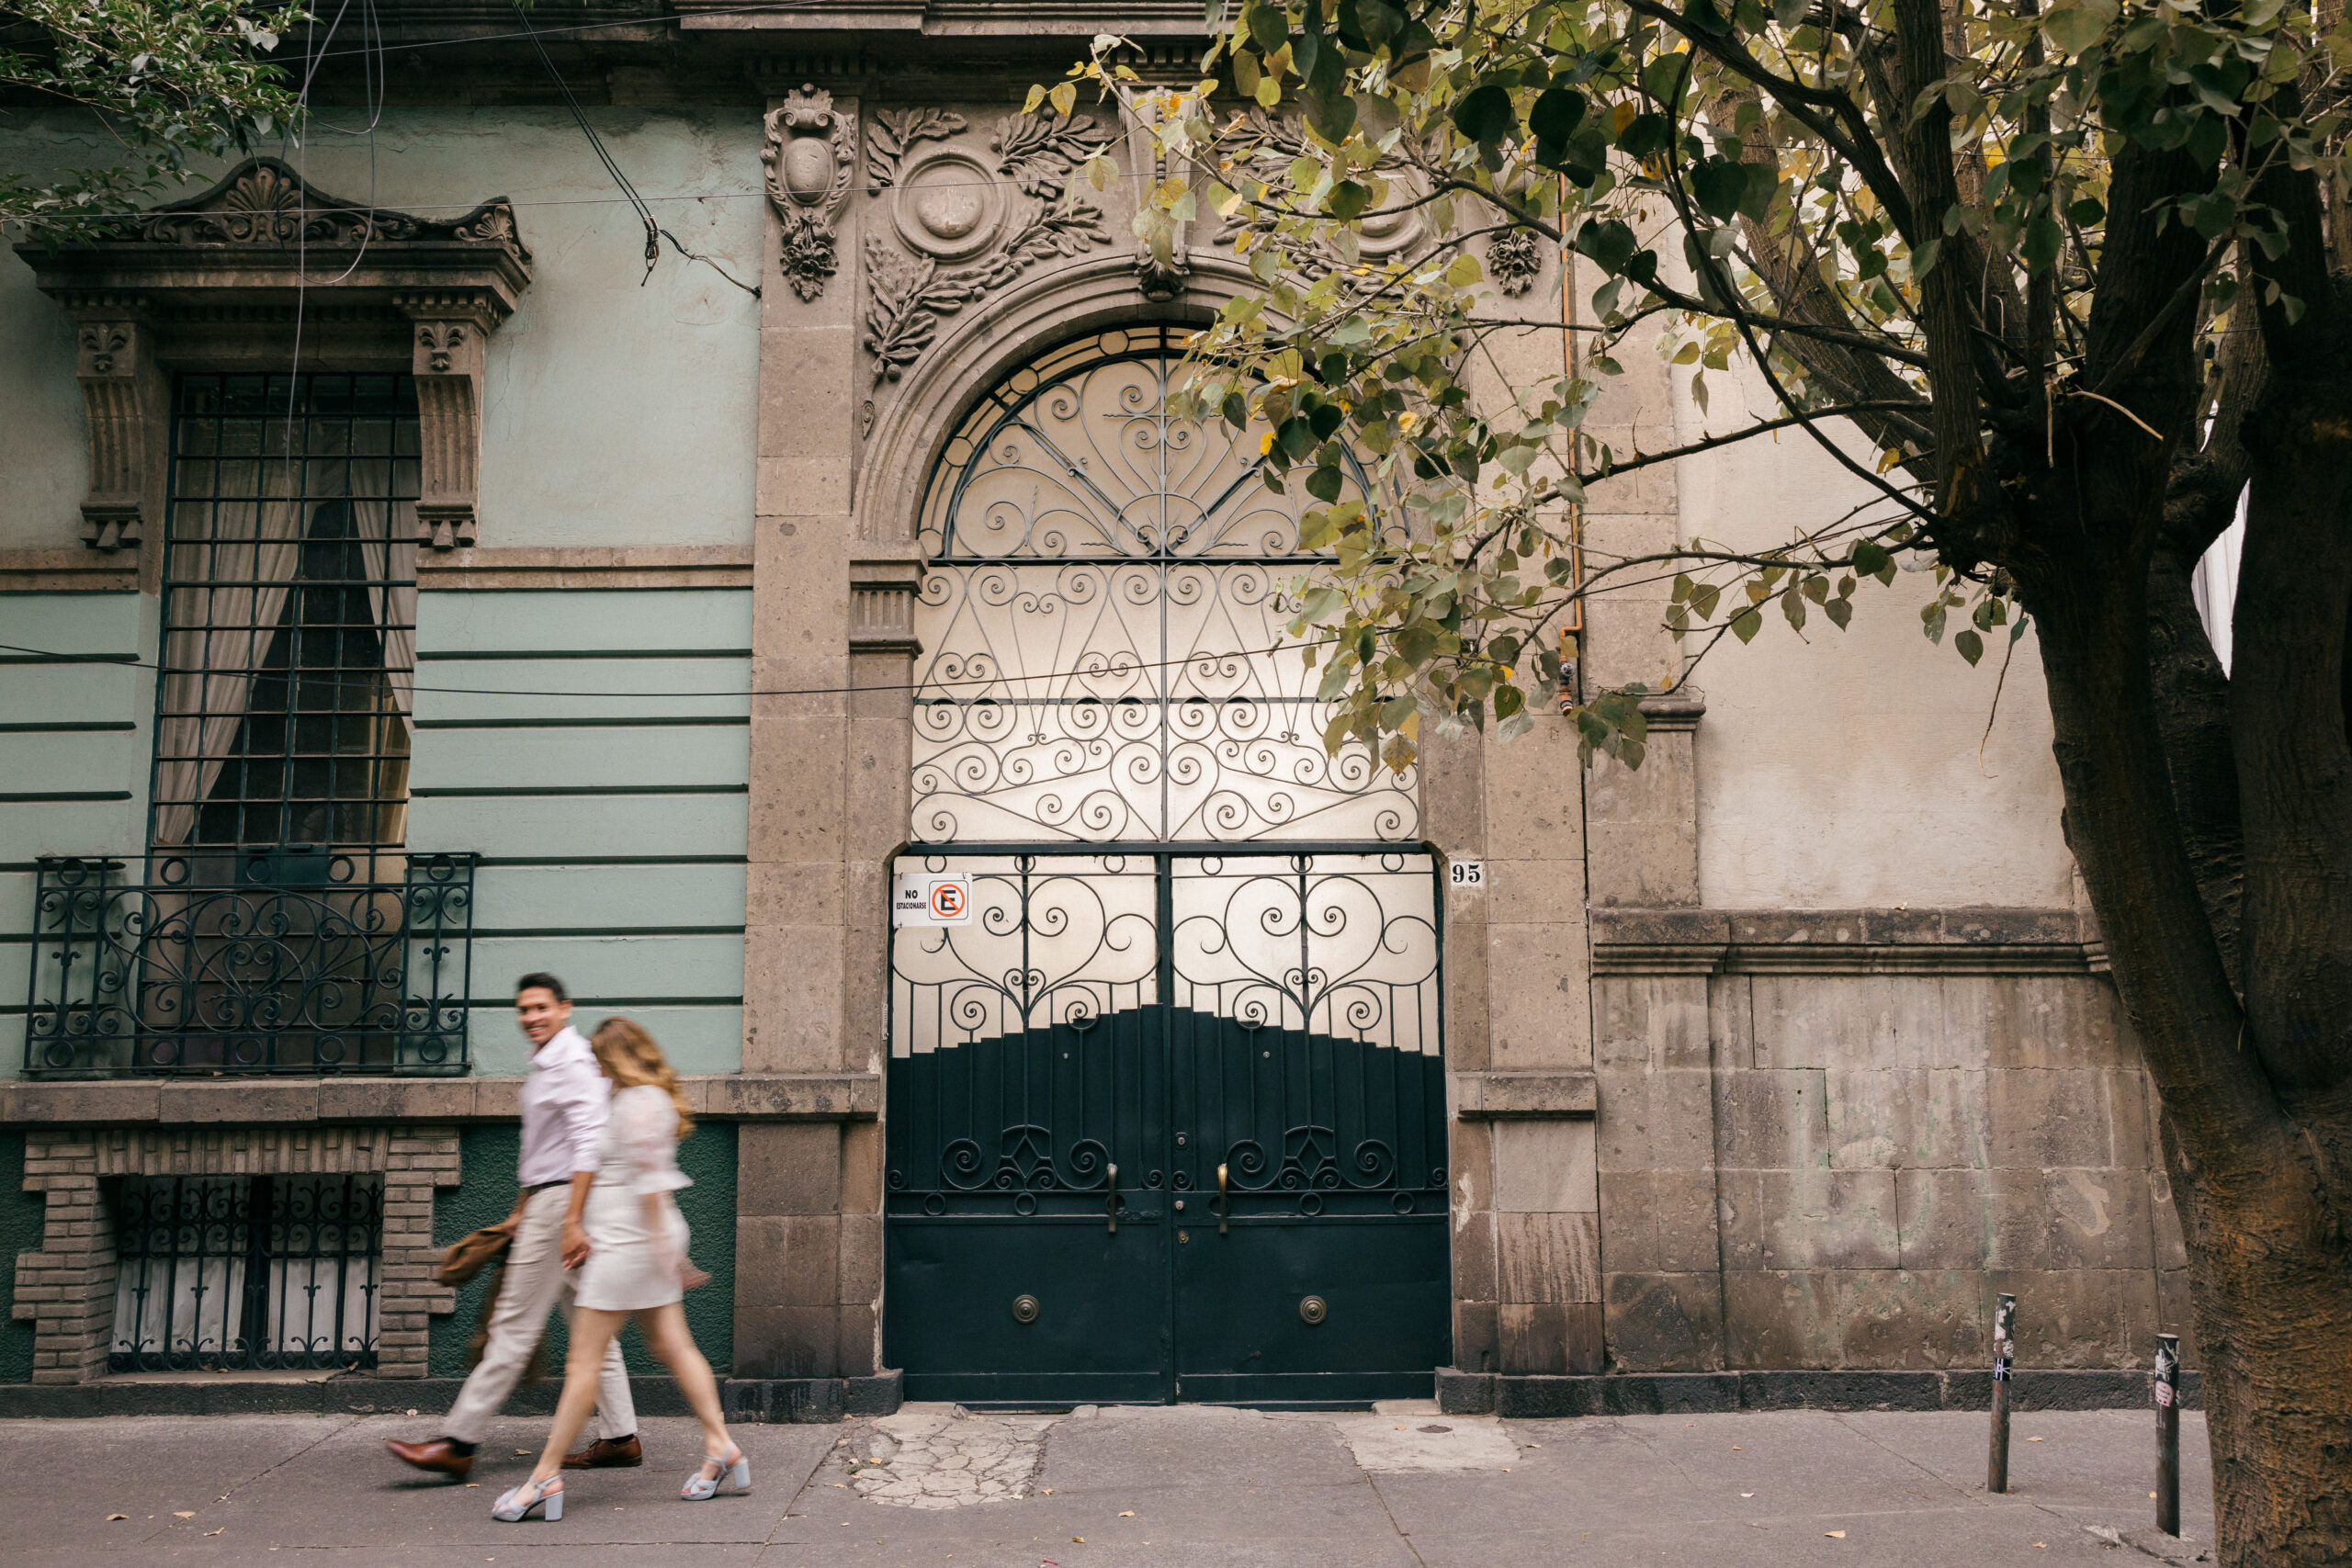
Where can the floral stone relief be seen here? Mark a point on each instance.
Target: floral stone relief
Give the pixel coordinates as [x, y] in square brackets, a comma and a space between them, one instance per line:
[1000, 213]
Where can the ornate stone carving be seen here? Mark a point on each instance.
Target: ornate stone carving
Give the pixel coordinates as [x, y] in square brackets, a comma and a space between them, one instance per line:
[950, 205]
[810, 154]
[894, 135]
[907, 295]
[264, 203]
[114, 363]
[1514, 261]
[447, 360]
[882, 603]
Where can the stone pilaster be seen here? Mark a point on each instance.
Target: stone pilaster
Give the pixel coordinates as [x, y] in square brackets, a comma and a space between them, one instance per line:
[67, 1288]
[820, 780]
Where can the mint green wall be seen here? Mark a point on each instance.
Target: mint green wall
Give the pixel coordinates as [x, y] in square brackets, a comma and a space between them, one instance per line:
[487, 1194]
[613, 413]
[73, 757]
[21, 1215]
[611, 824]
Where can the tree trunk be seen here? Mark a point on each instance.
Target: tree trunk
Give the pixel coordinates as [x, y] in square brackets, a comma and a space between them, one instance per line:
[2270, 1267]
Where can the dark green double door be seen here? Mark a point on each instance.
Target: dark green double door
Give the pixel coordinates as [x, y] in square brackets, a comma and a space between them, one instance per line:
[1071, 1072]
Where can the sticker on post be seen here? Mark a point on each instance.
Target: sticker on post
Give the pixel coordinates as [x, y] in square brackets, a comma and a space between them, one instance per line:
[919, 899]
[1466, 872]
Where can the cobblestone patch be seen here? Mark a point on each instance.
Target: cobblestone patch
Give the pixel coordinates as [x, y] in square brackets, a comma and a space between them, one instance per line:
[946, 1458]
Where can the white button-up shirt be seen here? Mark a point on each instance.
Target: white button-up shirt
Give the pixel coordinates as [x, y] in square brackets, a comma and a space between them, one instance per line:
[565, 1101]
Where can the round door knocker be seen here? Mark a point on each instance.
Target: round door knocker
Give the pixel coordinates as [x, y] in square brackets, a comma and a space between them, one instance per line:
[1312, 1310]
[1024, 1309]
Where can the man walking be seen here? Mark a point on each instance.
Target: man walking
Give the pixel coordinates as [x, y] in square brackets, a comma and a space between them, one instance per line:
[565, 1101]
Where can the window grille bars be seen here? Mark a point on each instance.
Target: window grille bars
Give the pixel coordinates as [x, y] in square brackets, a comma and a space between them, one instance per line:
[217, 1273]
[270, 961]
[289, 602]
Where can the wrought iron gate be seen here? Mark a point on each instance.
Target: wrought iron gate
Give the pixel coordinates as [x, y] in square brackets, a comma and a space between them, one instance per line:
[1170, 1126]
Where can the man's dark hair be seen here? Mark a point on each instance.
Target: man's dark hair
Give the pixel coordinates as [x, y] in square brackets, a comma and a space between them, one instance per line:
[539, 980]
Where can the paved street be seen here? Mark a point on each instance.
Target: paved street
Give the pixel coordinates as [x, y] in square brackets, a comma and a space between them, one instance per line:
[1147, 1487]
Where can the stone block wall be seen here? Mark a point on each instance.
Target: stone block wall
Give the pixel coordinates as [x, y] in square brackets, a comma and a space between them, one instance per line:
[1830, 1142]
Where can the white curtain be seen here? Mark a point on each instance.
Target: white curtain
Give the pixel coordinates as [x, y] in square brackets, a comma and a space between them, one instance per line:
[391, 599]
[222, 633]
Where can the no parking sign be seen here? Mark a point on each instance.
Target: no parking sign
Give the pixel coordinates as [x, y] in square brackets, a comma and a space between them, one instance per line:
[919, 899]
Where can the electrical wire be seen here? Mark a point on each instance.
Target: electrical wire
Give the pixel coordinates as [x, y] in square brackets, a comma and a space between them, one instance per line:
[655, 232]
[46, 655]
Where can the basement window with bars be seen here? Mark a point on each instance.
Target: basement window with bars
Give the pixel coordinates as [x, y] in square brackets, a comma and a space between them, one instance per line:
[229, 1273]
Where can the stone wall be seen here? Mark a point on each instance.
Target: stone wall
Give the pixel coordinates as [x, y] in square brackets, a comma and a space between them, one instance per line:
[1829, 1140]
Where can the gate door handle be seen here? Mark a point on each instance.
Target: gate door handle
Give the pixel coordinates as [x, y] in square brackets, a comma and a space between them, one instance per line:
[1223, 1203]
[1111, 1183]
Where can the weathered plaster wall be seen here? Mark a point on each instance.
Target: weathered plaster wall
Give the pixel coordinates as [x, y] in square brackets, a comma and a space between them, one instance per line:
[616, 415]
[1856, 768]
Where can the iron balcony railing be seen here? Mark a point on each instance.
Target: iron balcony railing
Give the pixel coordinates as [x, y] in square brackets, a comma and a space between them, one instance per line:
[296, 959]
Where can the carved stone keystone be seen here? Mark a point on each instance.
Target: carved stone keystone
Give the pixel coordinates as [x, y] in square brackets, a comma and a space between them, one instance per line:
[811, 151]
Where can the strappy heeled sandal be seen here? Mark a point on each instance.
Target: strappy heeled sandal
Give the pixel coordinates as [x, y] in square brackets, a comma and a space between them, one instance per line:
[516, 1506]
[734, 1469]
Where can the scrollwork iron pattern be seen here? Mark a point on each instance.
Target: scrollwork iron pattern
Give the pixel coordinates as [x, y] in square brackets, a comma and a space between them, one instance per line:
[250, 962]
[1106, 586]
[218, 1273]
[1282, 1009]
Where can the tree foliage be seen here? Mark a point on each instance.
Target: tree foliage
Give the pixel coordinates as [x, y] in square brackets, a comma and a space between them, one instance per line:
[1788, 185]
[171, 80]
[2061, 285]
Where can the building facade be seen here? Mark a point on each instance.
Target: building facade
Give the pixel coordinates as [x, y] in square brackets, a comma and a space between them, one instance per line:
[863, 684]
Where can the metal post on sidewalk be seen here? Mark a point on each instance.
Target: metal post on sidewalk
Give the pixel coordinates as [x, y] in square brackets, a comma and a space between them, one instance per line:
[2005, 1323]
[2167, 1391]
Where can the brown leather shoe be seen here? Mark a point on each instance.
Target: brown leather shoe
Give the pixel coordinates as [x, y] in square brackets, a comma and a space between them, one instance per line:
[437, 1456]
[606, 1454]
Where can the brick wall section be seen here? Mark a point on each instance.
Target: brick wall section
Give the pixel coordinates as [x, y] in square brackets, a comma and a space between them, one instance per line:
[67, 1288]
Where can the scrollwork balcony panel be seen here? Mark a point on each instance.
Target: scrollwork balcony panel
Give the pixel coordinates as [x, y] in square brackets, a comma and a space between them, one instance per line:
[284, 960]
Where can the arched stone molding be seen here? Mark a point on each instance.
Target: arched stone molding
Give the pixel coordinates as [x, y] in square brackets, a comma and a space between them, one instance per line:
[992, 340]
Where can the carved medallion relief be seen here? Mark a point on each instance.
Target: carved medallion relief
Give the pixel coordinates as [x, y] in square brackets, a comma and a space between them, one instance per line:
[968, 211]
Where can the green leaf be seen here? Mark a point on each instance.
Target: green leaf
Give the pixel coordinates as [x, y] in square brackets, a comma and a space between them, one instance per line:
[2076, 28]
[1268, 27]
[1348, 200]
[1508, 699]
[1556, 115]
[1969, 646]
[1323, 484]
[1745, 625]
[1482, 114]
[2041, 243]
[1840, 612]
[1609, 243]
[1719, 184]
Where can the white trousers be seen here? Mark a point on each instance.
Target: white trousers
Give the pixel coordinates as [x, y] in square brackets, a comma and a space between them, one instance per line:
[537, 1282]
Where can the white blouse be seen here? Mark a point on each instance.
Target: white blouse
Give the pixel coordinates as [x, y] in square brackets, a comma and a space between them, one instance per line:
[640, 1145]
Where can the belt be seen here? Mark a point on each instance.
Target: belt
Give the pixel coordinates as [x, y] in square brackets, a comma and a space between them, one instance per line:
[543, 1186]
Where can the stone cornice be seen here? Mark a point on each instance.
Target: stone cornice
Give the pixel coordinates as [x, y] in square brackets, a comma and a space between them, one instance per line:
[719, 1096]
[1842, 941]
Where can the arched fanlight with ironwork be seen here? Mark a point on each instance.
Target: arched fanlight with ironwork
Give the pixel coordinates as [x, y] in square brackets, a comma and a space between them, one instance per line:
[1106, 588]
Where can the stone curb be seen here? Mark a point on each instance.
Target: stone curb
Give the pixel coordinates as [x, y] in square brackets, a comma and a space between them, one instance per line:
[1690, 1394]
[794, 1401]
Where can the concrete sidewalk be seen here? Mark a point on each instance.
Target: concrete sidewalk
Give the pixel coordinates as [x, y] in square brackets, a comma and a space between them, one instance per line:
[1146, 1486]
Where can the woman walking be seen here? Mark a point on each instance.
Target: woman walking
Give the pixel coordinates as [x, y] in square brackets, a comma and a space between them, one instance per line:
[631, 1251]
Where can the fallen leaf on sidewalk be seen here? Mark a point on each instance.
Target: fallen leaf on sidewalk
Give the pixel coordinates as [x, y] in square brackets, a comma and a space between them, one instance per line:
[1835, 1535]
[2042, 1546]
[1130, 1513]
[1747, 1494]
[185, 1513]
[111, 1517]
[1078, 1540]
[216, 1532]
[1734, 1448]
[2033, 1440]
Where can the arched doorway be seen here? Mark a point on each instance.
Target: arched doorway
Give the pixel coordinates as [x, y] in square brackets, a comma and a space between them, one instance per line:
[1165, 1101]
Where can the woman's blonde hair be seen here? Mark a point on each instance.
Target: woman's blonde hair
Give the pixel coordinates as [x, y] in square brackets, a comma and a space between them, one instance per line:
[630, 1058]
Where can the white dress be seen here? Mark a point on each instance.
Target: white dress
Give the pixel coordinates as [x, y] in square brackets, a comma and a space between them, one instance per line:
[629, 1267]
